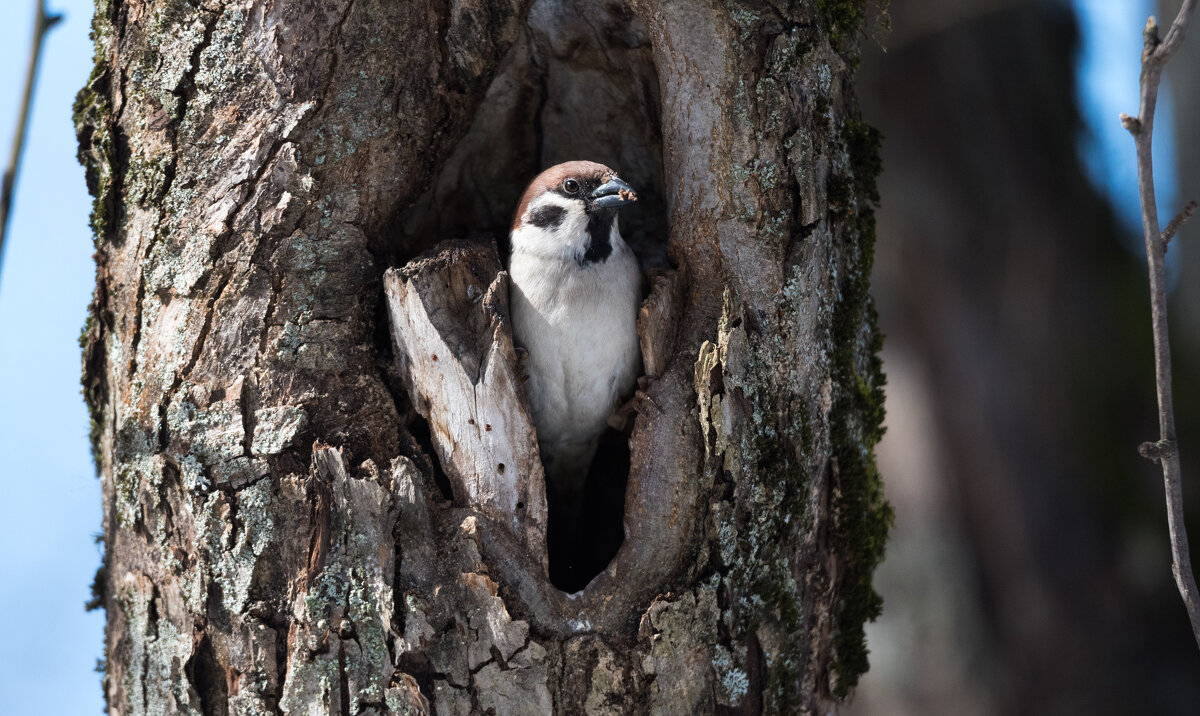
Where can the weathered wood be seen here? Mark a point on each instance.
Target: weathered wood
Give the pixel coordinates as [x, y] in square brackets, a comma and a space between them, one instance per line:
[454, 350]
[658, 320]
[453, 342]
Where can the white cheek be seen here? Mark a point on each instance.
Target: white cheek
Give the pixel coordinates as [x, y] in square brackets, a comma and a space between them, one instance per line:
[568, 238]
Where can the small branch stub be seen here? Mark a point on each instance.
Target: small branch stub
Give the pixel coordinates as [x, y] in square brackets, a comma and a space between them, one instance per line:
[1156, 450]
[1175, 224]
[1150, 40]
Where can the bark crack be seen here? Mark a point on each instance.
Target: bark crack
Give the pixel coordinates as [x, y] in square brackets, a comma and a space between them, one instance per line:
[136, 339]
[221, 243]
[197, 350]
[186, 91]
[343, 678]
[209, 310]
[248, 422]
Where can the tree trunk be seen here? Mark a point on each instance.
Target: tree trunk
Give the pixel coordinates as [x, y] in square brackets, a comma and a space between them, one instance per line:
[296, 518]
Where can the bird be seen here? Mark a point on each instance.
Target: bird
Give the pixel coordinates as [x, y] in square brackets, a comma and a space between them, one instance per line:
[575, 293]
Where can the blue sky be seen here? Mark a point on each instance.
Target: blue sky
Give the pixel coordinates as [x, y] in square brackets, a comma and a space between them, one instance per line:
[50, 505]
[1109, 63]
[50, 499]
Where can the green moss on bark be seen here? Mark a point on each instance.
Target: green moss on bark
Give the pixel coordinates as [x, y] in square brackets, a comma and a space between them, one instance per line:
[842, 18]
[92, 116]
[764, 466]
[99, 586]
[862, 517]
[90, 381]
[97, 152]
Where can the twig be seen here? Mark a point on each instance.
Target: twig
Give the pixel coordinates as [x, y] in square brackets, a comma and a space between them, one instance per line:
[41, 25]
[1174, 224]
[1155, 54]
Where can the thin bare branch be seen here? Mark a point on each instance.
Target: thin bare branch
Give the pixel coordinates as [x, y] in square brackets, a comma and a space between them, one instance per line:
[1180, 219]
[1155, 54]
[1175, 33]
[42, 23]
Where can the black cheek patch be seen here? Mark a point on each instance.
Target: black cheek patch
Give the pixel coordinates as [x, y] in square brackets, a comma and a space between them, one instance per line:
[547, 217]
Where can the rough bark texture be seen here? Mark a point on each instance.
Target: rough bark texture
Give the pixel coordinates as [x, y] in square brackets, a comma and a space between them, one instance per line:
[276, 541]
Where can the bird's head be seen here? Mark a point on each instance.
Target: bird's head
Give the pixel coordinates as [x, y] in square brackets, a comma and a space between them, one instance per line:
[570, 209]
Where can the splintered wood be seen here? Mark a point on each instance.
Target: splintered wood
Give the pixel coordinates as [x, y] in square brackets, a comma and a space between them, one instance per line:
[450, 328]
[658, 320]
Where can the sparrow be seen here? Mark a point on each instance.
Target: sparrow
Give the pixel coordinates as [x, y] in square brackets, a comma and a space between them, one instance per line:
[576, 287]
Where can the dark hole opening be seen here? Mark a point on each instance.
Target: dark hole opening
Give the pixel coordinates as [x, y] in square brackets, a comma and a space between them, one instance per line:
[581, 548]
[206, 673]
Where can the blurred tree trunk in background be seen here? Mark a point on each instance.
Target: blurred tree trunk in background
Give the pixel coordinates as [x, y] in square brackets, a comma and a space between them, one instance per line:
[1029, 571]
[1183, 83]
[275, 539]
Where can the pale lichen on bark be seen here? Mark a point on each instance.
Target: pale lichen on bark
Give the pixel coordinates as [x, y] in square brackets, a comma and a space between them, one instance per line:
[275, 539]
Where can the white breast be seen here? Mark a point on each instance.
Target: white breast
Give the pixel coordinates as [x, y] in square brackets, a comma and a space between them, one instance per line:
[577, 321]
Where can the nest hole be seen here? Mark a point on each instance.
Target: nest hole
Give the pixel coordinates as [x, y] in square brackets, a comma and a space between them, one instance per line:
[579, 83]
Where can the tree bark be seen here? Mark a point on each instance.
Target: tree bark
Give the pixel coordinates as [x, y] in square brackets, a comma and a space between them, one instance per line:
[296, 518]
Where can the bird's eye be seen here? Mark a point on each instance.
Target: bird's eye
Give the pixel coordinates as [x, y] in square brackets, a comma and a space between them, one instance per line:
[570, 186]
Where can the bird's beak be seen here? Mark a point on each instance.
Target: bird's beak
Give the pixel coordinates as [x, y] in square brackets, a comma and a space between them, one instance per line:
[613, 193]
